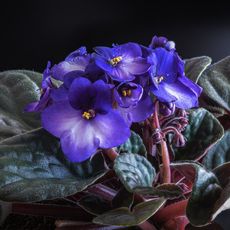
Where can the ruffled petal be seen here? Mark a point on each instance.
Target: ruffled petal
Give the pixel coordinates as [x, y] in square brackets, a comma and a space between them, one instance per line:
[79, 93]
[80, 142]
[61, 69]
[60, 117]
[168, 65]
[111, 129]
[185, 97]
[103, 96]
[136, 66]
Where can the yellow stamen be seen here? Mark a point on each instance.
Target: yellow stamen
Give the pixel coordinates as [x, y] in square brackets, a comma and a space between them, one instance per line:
[126, 92]
[159, 79]
[115, 61]
[88, 114]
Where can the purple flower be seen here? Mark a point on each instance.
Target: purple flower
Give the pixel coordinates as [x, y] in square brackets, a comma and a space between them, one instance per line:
[76, 61]
[46, 87]
[138, 113]
[87, 121]
[162, 42]
[169, 83]
[128, 94]
[122, 62]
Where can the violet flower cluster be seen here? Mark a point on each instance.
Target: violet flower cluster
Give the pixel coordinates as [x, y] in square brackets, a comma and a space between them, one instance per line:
[102, 93]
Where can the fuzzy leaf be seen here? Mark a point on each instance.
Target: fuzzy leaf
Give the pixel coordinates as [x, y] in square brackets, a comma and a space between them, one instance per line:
[169, 191]
[194, 67]
[219, 153]
[17, 89]
[33, 168]
[215, 82]
[205, 193]
[134, 171]
[124, 217]
[133, 145]
[203, 131]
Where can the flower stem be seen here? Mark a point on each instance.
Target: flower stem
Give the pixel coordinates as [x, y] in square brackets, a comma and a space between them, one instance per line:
[111, 153]
[164, 150]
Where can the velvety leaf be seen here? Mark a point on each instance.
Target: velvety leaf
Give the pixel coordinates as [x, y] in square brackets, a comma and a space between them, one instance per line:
[133, 145]
[219, 153]
[33, 168]
[223, 174]
[163, 190]
[203, 131]
[205, 193]
[134, 171]
[17, 89]
[80, 225]
[95, 205]
[124, 217]
[215, 82]
[194, 67]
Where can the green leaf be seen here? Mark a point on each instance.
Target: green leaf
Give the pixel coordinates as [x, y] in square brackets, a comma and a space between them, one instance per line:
[194, 67]
[223, 174]
[133, 145]
[169, 191]
[95, 205]
[205, 193]
[203, 131]
[134, 171]
[125, 217]
[17, 89]
[215, 82]
[33, 168]
[219, 153]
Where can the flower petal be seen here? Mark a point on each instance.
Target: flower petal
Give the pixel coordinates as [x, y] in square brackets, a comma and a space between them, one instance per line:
[79, 93]
[60, 117]
[111, 129]
[79, 143]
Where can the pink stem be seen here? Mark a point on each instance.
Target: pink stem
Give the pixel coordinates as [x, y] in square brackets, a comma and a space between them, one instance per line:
[164, 150]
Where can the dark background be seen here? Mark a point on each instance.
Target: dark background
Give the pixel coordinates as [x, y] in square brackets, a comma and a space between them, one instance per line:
[35, 31]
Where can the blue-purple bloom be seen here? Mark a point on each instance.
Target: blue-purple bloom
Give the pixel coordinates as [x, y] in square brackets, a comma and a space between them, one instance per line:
[169, 84]
[163, 43]
[128, 94]
[100, 95]
[45, 99]
[87, 121]
[122, 62]
[77, 61]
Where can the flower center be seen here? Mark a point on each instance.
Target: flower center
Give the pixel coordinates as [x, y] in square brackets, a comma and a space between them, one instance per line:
[89, 114]
[159, 79]
[115, 61]
[126, 92]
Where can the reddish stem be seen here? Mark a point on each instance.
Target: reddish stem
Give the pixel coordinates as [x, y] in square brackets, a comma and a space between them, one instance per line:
[146, 226]
[164, 150]
[171, 211]
[111, 153]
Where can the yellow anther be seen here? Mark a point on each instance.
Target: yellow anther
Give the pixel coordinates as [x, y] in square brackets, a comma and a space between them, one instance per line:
[159, 79]
[115, 61]
[88, 114]
[126, 92]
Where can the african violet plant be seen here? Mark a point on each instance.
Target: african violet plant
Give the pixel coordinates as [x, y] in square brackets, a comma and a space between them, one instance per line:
[124, 136]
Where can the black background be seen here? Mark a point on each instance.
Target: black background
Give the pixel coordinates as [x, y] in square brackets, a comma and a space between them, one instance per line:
[35, 31]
